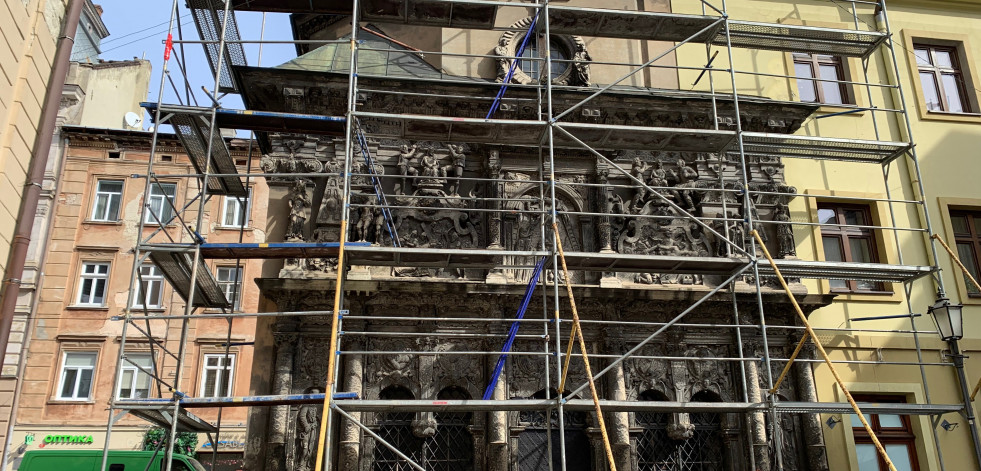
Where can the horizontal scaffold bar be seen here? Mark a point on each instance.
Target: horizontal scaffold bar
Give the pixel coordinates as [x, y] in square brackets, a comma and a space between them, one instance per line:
[359, 405]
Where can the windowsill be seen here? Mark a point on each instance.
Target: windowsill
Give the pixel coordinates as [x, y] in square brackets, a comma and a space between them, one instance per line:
[102, 223]
[864, 296]
[70, 401]
[82, 307]
[234, 228]
[149, 309]
[931, 115]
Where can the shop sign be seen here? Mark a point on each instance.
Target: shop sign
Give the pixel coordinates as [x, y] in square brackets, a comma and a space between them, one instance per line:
[233, 442]
[66, 440]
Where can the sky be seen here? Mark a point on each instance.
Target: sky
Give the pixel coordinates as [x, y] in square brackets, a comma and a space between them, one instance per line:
[138, 29]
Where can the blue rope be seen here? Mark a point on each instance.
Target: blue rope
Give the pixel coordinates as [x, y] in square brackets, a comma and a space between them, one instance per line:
[513, 331]
[507, 79]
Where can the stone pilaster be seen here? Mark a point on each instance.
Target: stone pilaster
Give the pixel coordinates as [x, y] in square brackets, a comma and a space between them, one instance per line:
[349, 451]
[817, 457]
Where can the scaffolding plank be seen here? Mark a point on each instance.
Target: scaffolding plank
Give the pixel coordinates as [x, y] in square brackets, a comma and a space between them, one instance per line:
[821, 148]
[276, 250]
[264, 121]
[194, 132]
[805, 39]
[175, 263]
[159, 413]
[630, 24]
[879, 272]
[209, 18]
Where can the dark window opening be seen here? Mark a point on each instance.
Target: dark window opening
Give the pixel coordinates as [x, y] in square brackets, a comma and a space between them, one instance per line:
[166, 158]
[966, 226]
[115, 154]
[541, 435]
[240, 162]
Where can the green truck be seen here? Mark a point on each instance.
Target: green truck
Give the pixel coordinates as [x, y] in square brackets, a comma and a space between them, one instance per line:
[91, 460]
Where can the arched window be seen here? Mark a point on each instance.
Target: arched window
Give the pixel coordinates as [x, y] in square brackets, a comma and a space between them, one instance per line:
[533, 442]
[451, 448]
[705, 450]
[396, 429]
[533, 67]
[656, 451]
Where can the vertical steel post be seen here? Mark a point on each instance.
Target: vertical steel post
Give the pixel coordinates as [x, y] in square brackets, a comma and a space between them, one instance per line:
[754, 258]
[136, 252]
[325, 450]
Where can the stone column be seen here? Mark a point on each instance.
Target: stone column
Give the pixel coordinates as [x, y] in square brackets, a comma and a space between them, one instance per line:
[497, 429]
[282, 383]
[494, 219]
[350, 436]
[817, 457]
[620, 432]
[757, 420]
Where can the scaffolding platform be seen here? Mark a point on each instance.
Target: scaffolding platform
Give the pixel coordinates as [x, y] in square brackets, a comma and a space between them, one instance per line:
[803, 39]
[194, 132]
[262, 121]
[176, 265]
[879, 272]
[209, 18]
[160, 414]
[598, 22]
[821, 148]
[277, 250]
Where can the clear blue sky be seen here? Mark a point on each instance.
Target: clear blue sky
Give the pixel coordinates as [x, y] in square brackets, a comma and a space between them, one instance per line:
[139, 28]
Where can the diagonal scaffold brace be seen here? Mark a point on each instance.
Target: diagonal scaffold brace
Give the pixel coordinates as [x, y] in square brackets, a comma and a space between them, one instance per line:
[820, 349]
[576, 335]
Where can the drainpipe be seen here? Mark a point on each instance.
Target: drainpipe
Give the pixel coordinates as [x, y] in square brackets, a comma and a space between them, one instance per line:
[32, 188]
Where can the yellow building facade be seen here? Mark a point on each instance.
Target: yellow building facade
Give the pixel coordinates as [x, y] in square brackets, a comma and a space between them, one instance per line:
[945, 138]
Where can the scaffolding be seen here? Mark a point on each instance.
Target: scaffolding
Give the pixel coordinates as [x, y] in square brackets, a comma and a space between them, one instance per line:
[546, 129]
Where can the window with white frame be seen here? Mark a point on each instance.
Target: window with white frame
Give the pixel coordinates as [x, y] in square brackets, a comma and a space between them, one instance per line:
[108, 195]
[134, 383]
[229, 280]
[235, 212]
[150, 291]
[77, 369]
[159, 209]
[92, 284]
[216, 380]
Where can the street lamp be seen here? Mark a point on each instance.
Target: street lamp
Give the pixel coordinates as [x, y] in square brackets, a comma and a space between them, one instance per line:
[948, 318]
[950, 323]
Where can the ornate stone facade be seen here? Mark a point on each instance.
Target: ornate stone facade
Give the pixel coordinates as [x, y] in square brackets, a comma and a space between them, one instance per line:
[454, 196]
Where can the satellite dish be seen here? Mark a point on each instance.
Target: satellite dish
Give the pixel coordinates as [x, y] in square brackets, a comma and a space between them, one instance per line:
[132, 119]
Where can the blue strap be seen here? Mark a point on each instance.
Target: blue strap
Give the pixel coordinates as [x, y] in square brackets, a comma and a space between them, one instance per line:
[513, 331]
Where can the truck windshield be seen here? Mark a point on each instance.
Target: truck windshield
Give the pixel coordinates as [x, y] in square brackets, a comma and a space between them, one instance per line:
[197, 466]
[178, 465]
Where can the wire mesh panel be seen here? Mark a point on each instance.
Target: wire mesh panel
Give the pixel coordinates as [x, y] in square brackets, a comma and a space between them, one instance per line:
[209, 16]
[449, 447]
[657, 451]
